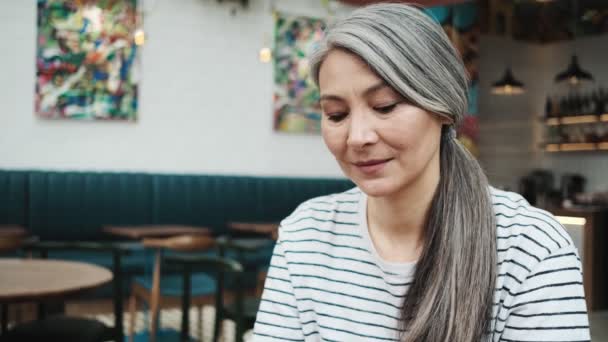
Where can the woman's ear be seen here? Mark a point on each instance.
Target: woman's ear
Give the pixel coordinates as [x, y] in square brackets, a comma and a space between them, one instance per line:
[445, 119]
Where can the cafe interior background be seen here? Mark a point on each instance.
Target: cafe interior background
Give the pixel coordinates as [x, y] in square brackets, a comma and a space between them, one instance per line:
[198, 113]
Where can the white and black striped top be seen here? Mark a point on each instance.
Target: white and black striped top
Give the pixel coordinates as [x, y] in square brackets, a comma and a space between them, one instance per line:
[326, 281]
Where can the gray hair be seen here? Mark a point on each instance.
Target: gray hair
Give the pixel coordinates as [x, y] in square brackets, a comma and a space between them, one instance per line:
[452, 294]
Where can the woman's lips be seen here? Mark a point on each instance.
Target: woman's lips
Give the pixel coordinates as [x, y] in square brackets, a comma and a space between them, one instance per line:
[371, 167]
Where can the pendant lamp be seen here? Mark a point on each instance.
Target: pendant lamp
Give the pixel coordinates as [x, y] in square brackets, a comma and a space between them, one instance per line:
[508, 85]
[574, 74]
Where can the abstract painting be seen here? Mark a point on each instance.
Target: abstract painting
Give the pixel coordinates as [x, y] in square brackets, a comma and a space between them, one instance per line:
[87, 60]
[296, 98]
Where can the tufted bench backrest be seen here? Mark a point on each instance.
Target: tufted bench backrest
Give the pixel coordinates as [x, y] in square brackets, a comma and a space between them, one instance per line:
[76, 205]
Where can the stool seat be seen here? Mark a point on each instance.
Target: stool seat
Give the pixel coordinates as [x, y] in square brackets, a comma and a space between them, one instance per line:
[172, 285]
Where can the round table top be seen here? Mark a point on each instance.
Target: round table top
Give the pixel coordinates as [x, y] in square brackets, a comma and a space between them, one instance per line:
[35, 279]
[12, 230]
[159, 231]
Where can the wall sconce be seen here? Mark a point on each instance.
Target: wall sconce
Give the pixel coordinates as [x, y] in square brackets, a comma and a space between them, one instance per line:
[139, 37]
[265, 55]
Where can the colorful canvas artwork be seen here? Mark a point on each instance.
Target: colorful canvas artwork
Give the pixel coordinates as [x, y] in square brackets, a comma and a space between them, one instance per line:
[87, 61]
[296, 98]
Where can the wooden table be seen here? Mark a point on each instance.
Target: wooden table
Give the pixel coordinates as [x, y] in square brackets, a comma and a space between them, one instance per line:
[11, 237]
[11, 231]
[270, 228]
[25, 280]
[246, 245]
[157, 231]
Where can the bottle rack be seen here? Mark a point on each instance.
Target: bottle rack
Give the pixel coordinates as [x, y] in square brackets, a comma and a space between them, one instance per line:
[576, 147]
[568, 131]
[576, 133]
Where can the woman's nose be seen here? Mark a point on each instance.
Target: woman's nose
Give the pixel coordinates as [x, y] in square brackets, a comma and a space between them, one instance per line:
[361, 131]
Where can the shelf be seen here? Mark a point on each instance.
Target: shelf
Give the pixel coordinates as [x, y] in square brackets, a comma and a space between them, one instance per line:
[575, 120]
[572, 147]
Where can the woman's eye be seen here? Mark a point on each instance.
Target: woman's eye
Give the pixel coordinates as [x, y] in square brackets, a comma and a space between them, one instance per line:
[385, 109]
[336, 117]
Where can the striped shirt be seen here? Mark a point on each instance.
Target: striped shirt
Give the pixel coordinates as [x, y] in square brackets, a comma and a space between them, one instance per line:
[326, 281]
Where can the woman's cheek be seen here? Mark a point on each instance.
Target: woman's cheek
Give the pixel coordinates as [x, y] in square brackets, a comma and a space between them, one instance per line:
[334, 140]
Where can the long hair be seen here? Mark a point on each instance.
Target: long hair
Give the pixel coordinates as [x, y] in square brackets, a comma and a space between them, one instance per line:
[452, 294]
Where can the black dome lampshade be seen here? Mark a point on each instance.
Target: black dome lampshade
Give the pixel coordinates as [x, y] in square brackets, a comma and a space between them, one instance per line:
[574, 74]
[508, 85]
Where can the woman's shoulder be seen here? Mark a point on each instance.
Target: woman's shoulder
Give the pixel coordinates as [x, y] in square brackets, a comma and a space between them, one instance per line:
[323, 213]
[525, 232]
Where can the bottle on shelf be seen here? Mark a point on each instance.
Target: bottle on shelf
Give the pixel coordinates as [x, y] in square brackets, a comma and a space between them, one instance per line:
[576, 102]
[549, 108]
[602, 100]
[577, 120]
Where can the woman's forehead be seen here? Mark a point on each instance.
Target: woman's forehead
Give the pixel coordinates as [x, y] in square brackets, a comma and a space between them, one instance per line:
[343, 70]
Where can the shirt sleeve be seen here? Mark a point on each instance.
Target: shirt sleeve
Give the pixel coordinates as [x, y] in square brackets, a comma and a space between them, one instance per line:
[550, 303]
[278, 317]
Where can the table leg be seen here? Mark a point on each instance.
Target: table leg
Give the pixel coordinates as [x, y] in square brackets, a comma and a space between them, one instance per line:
[118, 302]
[4, 324]
[52, 308]
[41, 311]
[155, 297]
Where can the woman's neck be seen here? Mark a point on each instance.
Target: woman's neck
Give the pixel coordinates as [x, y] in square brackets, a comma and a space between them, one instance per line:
[396, 223]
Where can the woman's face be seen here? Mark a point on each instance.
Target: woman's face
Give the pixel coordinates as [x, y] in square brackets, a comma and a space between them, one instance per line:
[383, 143]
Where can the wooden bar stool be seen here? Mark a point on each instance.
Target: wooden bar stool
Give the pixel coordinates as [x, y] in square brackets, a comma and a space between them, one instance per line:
[162, 287]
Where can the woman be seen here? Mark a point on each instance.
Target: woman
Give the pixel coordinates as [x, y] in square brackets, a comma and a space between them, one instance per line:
[423, 249]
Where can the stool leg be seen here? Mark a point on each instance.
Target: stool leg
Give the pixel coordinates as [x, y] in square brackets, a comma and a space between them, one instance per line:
[199, 323]
[132, 313]
[154, 320]
[186, 292]
[260, 284]
[18, 312]
[155, 296]
[239, 331]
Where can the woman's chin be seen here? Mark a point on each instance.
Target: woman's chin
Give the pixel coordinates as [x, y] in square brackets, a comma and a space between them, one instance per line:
[376, 187]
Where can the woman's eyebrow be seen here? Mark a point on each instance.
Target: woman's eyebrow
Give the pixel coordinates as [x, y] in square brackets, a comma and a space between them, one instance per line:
[374, 88]
[330, 97]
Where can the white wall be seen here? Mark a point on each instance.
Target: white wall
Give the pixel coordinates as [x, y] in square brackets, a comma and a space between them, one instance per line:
[510, 127]
[506, 141]
[205, 99]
